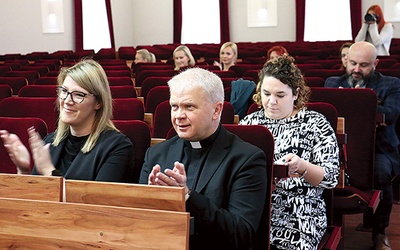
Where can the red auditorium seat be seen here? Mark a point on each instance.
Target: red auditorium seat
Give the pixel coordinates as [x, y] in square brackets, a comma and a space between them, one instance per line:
[118, 73]
[16, 83]
[124, 91]
[142, 75]
[155, 96]
[127, 52]
[5, 91]
[30, 75]
[46, 80]
[119, 80]
[358, 196]
[105, 53]
[19, 127]
[314, 81]
[139, 133]
[324, 73]
[41, 107]
[162, 120]
[151, 82]
[38, 91]
[128, 109]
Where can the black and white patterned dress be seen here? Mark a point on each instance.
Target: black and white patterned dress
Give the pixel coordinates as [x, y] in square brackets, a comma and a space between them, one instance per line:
[298, 217]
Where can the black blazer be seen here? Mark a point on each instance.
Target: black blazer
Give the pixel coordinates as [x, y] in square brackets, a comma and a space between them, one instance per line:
[112, 159]
[229, 197]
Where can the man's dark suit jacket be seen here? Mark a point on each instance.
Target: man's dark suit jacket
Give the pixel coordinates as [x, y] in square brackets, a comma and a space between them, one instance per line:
[387, 89]
[229, 197]
[111, 159]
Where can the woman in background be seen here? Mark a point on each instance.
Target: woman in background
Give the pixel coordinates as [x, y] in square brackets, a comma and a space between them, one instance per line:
[276, 51]
[376, 30]
[227, 56]
[183, 57]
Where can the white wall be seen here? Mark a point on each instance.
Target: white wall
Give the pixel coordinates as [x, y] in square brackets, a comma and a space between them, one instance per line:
[136, 22]
[21, 28]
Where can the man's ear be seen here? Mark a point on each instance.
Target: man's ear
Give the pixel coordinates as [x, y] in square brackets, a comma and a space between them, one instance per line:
[376, 63]
[218, 110]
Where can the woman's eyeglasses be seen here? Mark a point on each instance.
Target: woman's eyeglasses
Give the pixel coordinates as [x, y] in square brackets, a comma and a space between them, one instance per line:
[76, 96]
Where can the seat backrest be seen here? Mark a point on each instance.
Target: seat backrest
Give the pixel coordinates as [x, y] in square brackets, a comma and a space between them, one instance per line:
[358, 107]
[16, 83]
[140, 76]
[46, 80]
[38, 91]
[162, 120]
[314, 81]
[31, 187]
[128, 109]
[5, 91]
[139, 133]
[124, 91]
[324, 73]
[151, 82]
[228, 113]
[119, 80]
[30, 75]
[41, 107]
[155, 96]
[18, 126]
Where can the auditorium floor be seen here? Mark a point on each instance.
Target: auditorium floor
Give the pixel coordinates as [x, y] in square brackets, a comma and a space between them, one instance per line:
[358, 240]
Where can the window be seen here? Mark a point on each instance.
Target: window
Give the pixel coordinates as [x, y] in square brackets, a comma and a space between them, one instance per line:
[327, 20]
[200, 21]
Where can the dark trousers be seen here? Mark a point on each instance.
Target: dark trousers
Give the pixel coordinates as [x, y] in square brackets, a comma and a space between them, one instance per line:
[385, 166]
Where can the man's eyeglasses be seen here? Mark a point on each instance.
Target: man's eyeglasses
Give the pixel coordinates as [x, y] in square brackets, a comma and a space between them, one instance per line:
[76, 96]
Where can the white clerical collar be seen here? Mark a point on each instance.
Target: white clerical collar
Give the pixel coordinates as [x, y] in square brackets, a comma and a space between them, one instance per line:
[195, 144]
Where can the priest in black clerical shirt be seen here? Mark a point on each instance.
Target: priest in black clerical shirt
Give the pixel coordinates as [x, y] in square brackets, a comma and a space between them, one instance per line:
[224, 177]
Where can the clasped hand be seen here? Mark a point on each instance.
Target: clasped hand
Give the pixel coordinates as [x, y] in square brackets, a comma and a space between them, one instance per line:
[175, 177]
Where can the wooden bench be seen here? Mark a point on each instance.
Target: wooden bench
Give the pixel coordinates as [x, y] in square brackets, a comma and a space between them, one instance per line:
[38, 212]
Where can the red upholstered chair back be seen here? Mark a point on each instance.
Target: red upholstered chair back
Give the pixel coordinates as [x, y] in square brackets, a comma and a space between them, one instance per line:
[151, 82]
[128, 109]
[19, 127]
[124, 91]
[30, 75]
[16, 83]
[155, 96]
[358, 107]
[314, 81]
[119, 80]
[5, 91]
[46, 80]
[228, 113]
[38, 91]
[41, 107]
[139, 78]
[139, 133]
[162, 120]
[324, 73]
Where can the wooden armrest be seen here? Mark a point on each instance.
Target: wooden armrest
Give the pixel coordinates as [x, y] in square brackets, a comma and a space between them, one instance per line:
[139, 92]
[148, 118]
[376, 198]
[155, 141]
[236, 119]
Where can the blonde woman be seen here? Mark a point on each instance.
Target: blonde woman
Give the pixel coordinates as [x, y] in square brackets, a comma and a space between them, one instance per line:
[86, 144]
